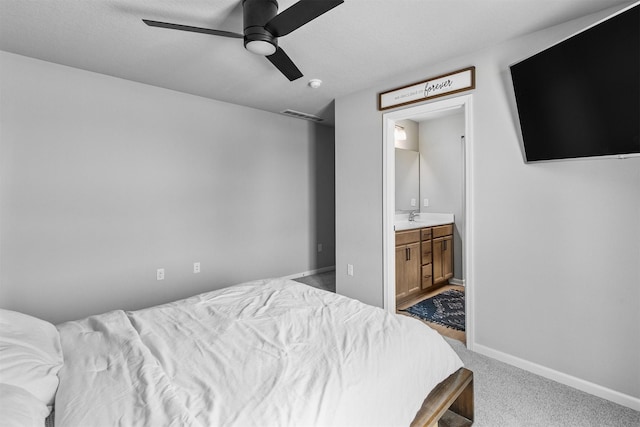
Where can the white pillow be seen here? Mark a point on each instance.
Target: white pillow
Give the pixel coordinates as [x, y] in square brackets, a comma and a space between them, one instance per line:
[30, 354]
[21, 408]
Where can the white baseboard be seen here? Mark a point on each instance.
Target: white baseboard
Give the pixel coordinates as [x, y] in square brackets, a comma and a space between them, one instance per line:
[562, 378]
[310, 272]
[454, 281]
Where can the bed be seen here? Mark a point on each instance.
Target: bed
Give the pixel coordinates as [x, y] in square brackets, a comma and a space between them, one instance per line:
[263, 353]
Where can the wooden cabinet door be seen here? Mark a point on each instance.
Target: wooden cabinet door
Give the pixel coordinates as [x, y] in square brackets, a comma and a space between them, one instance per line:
[408, 269]
[438, 275]
[413, 267]
[401, 276]
[447, 257]
[442, 259]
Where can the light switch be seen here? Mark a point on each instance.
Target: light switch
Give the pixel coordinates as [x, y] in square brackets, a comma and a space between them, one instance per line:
[413, 202]
[426, 202]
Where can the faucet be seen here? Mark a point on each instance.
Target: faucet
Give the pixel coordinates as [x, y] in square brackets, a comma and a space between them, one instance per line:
[412, 215]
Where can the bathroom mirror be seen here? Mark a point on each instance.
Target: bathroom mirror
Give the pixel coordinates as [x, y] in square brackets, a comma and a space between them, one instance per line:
[407, 179]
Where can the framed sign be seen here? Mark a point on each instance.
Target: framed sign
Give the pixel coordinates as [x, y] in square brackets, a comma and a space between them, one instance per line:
[458, 81]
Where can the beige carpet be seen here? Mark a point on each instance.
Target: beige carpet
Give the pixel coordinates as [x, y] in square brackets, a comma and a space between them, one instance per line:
[506, 396]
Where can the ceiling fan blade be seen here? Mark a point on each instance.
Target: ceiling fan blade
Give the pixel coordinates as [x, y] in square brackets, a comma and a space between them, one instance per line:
[192, 29]
[286, 66]
[299, 14]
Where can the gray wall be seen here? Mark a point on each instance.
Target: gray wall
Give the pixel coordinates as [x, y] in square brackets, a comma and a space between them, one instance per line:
[441, 175]
[104, 180]
[359, 198]
[556, 245]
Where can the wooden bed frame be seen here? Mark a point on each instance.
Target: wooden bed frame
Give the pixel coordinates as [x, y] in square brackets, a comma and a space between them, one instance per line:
[450, 403]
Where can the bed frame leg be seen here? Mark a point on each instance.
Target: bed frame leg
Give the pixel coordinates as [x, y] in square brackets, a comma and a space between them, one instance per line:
[450, 403]
[463, 405]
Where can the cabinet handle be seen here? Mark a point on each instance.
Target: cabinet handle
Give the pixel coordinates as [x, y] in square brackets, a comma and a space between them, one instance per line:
[444, 245]
[406, 254]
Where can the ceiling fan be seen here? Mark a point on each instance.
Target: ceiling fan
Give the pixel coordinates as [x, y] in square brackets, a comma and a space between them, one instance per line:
[263, 25]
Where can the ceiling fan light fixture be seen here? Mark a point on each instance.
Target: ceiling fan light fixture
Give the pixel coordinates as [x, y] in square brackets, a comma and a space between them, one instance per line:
[261, 47]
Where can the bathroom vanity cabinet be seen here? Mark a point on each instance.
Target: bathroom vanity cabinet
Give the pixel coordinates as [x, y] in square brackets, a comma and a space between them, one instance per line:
[424, 258]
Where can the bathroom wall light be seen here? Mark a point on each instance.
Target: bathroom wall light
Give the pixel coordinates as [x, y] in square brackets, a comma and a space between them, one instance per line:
[400, 134]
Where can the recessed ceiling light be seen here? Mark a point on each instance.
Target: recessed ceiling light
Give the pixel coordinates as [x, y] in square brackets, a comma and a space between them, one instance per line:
[315, 83]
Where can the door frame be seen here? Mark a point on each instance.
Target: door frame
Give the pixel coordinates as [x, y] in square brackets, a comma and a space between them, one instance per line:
[388, 197]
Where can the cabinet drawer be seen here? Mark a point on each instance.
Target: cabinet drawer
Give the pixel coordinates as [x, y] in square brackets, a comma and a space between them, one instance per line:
[405, 237]
[426, 234]
[442, 230]
[426, 252]
[427, 276]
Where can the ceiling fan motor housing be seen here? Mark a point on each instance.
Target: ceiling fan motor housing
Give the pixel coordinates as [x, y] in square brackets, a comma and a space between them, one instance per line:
[256, 13]
[262, 27]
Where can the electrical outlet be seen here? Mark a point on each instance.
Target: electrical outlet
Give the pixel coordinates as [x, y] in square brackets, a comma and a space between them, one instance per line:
[319, 247]
[349, 269]
[196, 267]
[413, 202]
[160, 274]
[426, 202]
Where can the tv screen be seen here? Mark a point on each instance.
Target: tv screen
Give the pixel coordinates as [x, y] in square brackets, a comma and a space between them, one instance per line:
[581, 97]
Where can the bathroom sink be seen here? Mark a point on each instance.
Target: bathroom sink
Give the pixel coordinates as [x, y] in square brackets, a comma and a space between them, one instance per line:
[422, 220]
[408, 225]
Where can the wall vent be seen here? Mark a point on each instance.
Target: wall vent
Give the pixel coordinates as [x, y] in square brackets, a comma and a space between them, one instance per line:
[300, 115]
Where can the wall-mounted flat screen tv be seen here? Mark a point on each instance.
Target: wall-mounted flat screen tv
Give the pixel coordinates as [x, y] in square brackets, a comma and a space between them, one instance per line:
[581, 97]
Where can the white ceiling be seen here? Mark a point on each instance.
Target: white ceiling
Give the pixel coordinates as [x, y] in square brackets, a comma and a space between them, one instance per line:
[352, 47]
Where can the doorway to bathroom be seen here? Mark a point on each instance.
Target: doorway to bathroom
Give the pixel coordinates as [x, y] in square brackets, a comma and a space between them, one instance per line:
[445, 186]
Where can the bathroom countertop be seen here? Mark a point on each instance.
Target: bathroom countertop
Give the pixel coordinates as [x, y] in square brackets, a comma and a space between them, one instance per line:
[422, 220]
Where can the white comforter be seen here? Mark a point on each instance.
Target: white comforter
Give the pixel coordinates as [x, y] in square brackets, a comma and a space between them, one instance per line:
[264, 353]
